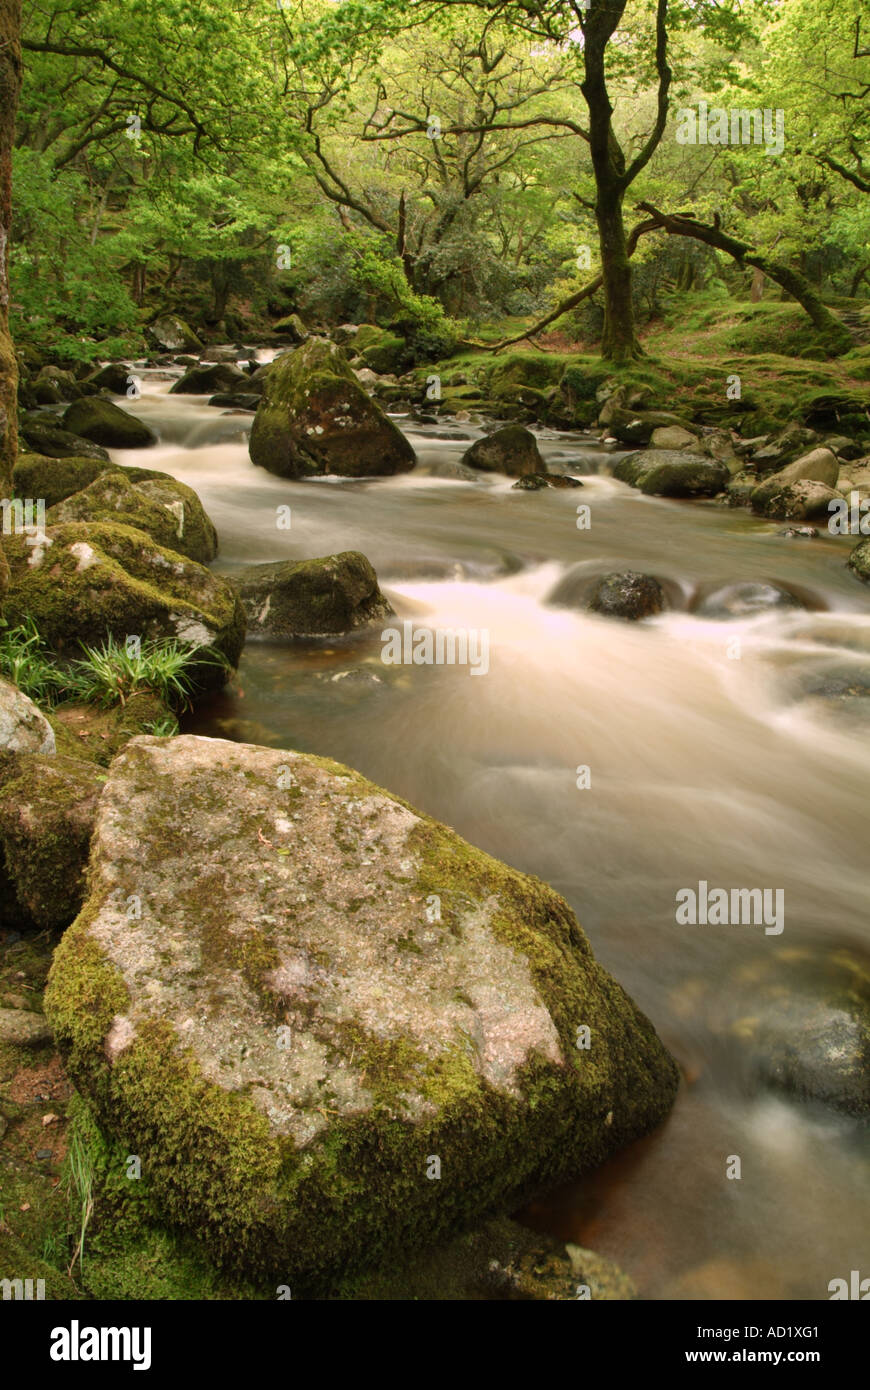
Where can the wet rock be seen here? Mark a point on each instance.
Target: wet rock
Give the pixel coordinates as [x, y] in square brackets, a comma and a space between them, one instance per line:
[790, 532]
[331, 595]
[236, 400]
[22, 1029]
[115, 377]
[672, 437]
[843, 447]
[23, 727]
[638, 426]
[628, 595]
[206, 381]
[533, 482]
[500, 1261]
[788, 443]
[54, 385]
[800, 1023]
[105, 423]
[314, 418]
[53, 479]
[48, 807]
[511, 450]
[173, 334]
[324, 1046]
[562, 480]
[859, 560]
[743, 600]
[53, 442]
[344, 333]
[166, 510]
[672, 473]
[798, 501]
[220, 354]
[90, 579]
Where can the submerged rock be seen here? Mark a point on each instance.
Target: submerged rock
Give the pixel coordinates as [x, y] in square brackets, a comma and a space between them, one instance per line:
[23, 727]
[330, 595]
[743, 600]
[115, 377]
[166, 510]
[314, 417]
[512, 450]
[500, 1261]
[628, 595]
[48, 806]
[336, 1029]
[90, 579]
[672, 473]
[799, 1021]
[105, 423]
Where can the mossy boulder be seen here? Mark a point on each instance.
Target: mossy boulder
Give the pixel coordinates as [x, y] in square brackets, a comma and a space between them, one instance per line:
[206, 381]
[53, 479]
[105, 423]
[389, 353]
[48, 439]
[538, 370]
[314, 417]
[55, 384]
[330, 595]
[91, 579]
[335, 1030]
[292, 328]
[48, 807]
[512, 450]
[673, 473]
[23, 727]
[859, 560]
[114, 377]
[173, 334]
[168, 511]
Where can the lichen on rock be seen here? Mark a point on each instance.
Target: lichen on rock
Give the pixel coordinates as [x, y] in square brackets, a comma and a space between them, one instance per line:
[320, 993]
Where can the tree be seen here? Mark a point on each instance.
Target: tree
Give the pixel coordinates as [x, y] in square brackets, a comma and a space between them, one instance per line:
[10, 85]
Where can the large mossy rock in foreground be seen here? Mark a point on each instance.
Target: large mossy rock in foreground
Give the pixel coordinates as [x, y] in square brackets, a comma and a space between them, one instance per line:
[672, 473]
[90, 579]
[312, 598]
[314, 417]
[335, 1029]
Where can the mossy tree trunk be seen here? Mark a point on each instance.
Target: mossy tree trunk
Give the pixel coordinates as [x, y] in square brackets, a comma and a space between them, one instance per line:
[10, 83]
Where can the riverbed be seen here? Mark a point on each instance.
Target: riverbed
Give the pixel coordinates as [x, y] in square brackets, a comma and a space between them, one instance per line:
[733, 753]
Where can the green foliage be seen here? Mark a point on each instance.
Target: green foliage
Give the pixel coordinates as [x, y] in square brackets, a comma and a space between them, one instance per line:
[419, 318]
[24, 660]
[110, 674]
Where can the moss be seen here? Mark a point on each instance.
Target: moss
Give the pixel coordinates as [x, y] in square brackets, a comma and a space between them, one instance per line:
[358, 1192]
[135, 586]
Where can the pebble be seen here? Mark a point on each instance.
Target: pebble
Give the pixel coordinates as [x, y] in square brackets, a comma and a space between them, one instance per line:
[22, 1028]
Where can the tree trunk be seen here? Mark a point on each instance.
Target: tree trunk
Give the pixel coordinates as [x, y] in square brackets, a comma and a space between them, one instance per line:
[619, 340]
[10, 84]
[757, 290]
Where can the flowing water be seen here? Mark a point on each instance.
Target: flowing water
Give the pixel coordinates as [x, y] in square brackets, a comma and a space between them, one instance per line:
[744, 765]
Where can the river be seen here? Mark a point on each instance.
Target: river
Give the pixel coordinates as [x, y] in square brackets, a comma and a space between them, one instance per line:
[740, 765]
